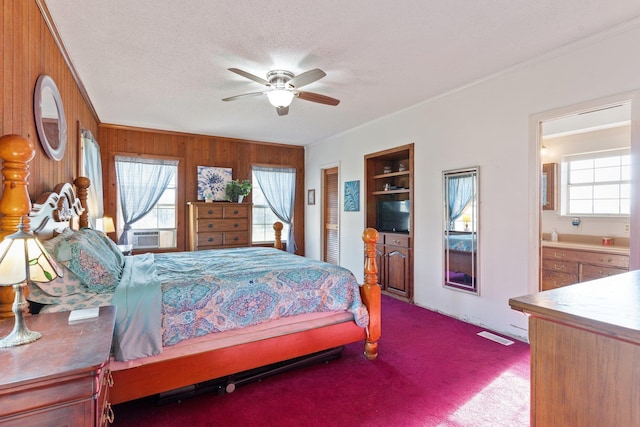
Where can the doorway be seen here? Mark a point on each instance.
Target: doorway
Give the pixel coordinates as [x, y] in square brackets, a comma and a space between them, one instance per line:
[585, 175]
[330, 216]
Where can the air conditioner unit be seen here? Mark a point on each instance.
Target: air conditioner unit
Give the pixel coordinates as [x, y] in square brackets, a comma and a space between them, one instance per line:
[145, 239]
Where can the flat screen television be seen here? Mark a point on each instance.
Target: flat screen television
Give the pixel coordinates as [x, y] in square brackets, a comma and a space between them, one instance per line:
[394, 216]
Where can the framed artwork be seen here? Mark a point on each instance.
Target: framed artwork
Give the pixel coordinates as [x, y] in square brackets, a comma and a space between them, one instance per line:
[352, 196]
[311, 197]
[212, 182]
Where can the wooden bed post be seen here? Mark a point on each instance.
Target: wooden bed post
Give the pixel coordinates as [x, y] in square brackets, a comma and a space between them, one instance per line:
[82, 183]
[16, 152]
[277, 226]
[370, 293]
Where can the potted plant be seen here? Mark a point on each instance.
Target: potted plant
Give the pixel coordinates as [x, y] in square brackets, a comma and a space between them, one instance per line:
[236, 190]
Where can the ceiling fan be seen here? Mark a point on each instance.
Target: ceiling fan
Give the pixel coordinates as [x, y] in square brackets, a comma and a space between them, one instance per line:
[283, 87]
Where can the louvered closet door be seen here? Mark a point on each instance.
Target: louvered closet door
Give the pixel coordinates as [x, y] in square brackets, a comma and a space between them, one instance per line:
[330, 202]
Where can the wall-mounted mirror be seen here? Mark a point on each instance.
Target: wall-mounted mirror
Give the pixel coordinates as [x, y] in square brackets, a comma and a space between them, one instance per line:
[49, 115]
[461, 229]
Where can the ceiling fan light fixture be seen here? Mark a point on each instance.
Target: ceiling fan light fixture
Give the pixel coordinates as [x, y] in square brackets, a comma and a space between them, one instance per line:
[280, 97]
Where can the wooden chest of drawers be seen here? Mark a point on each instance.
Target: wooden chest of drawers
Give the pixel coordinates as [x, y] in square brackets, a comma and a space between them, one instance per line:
[562, 267]
[61, 379]
[219, 225]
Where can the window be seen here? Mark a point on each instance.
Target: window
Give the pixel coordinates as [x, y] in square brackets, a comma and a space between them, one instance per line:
[151, 208]
[597, 183]
[263, 217]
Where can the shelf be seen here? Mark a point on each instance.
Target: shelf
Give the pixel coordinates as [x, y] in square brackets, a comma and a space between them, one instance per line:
[398, 191]
[392, 174]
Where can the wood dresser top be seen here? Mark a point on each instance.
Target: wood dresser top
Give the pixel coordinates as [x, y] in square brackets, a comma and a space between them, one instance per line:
[608, 306]
[64, 347]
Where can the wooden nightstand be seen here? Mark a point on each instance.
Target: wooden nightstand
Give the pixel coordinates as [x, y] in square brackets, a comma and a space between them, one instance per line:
[61, 379]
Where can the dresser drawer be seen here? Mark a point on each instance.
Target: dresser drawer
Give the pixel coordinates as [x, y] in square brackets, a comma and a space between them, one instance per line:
[396, 240]
[206, 225]
[235, 211]
[233, 239]
[568, 267]
[204, 211]
[562, 254]
[606, 260]
[553, 279]
[592, 272]
[210, 239]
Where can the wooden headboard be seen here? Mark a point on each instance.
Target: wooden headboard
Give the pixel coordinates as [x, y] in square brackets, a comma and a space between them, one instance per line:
[51, 211]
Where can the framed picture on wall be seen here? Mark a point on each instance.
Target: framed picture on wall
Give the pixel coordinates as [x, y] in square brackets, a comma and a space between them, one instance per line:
[212, 183]
[311, 197]
[352, 196]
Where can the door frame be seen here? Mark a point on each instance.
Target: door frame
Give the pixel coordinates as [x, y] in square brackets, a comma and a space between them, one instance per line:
[535, 168]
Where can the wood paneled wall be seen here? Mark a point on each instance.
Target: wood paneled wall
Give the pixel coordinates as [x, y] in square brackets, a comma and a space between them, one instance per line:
[28, 49]
[194, 151]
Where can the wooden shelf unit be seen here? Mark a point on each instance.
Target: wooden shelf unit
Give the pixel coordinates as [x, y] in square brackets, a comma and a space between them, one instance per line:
[389, 177]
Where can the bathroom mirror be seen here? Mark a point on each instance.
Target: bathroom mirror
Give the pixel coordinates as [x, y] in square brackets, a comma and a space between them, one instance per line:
[461, 229]
[49, 116]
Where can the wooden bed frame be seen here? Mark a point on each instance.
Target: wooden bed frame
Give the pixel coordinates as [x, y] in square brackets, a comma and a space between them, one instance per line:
[153, 378]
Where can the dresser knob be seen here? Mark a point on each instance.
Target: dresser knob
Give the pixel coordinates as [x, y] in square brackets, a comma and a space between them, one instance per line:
[210, 225]
[210, 212]
[210, 239]
[235, 212]
[235, 225]
[235, 238]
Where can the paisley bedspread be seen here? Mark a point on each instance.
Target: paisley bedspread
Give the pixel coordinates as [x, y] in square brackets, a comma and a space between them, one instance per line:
[219, 290]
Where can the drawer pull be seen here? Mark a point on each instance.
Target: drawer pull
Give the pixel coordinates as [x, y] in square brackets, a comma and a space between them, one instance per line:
[235, 238]
[235, 212]
[608, 260]
[107, 416]
[396, 242]
[235, 225]
[210, 212]
[210, 225]
[558, 267]
[109, 379]
[558, 254]
[210, 239]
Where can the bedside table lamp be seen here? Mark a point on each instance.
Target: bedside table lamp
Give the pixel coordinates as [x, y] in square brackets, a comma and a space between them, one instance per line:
[22, 258]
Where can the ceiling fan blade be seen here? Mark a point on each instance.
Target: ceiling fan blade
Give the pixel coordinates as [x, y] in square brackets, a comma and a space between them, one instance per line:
[316, 97]
[307, 77]
[245, 95]
[250, 76]
[282, 111]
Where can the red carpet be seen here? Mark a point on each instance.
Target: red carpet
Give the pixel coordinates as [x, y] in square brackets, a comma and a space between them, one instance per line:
[432, 371]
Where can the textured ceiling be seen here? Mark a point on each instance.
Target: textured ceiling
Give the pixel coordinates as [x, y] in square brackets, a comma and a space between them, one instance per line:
[164, 64]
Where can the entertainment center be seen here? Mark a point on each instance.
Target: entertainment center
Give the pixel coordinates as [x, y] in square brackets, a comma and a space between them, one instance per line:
[389, 209]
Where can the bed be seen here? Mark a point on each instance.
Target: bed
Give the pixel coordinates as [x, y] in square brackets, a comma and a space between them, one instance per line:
[226, 351]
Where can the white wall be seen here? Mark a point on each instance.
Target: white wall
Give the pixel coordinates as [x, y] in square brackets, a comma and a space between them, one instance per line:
[485, 125]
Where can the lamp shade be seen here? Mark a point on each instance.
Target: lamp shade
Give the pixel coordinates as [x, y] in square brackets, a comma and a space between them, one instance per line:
[108, 225]
[22, 257]
[280, 98]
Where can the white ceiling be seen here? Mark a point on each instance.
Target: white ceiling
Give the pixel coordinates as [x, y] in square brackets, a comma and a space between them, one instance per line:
[163, 64]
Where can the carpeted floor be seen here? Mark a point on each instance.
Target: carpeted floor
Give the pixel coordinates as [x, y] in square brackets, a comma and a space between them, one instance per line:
[432, 371]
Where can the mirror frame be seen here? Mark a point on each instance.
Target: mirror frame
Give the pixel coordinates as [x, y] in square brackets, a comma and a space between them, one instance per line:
[54, 150]
[467, 261]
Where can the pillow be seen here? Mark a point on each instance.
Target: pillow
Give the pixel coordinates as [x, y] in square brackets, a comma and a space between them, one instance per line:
[68, 284]
[50, 245]
[88, 256]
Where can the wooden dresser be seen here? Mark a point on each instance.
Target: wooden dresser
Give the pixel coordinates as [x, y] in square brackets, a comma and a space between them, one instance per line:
[564, 265]
[218, 225]
[585, 348]
[61, 379]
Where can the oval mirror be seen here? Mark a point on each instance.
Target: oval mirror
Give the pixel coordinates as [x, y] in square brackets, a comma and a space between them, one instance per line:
[461, 229]
[49, 115]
